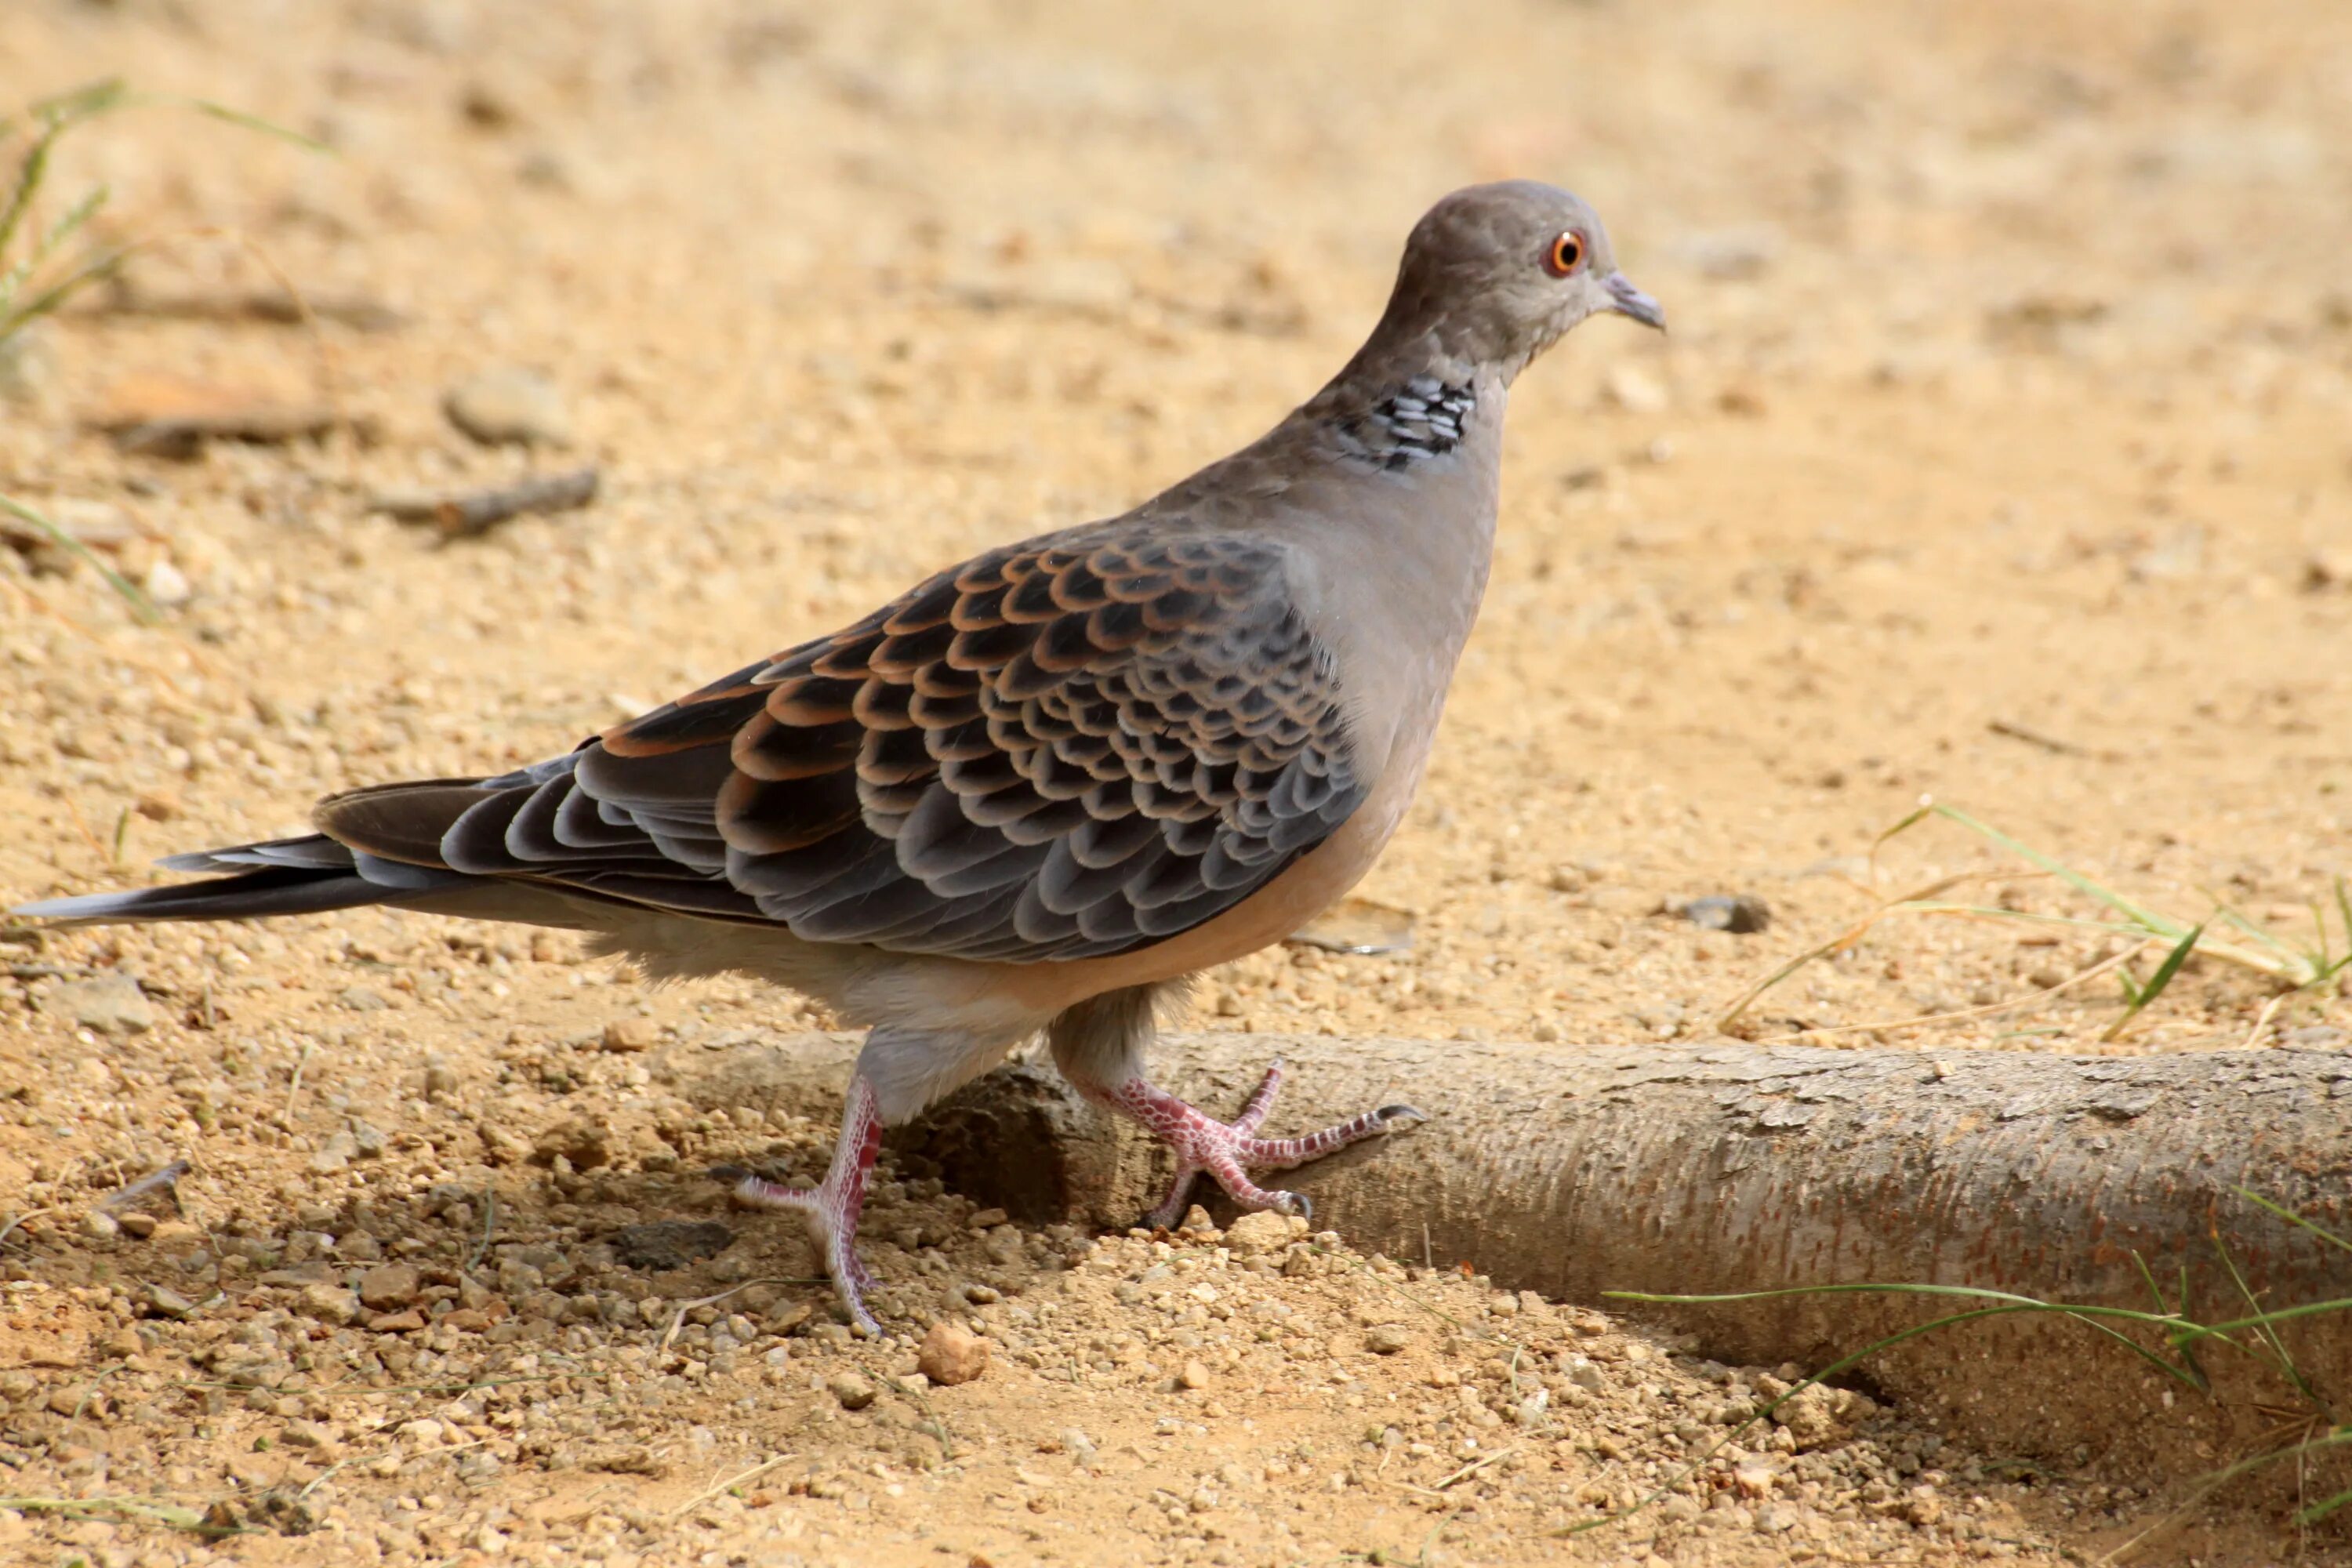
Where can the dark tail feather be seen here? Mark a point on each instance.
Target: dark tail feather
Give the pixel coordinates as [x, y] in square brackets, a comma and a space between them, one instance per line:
[287, 876]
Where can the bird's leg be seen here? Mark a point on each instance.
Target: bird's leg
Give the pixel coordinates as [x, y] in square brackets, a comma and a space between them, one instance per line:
[831, 1207]
[1229, 1151]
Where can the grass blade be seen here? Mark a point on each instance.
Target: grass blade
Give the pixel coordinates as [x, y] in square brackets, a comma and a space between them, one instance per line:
[140, 605]
[255, 122]
[2140, 995]
[2006, 1303]
[2138, 913]
[29, 176]
[2291, 1217]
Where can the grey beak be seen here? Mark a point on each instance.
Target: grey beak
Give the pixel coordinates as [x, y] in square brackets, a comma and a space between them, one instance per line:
[1628, 300]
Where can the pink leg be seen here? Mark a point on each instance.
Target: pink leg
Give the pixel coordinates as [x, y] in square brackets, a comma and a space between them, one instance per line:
[1229, 1151]
[831, 1208]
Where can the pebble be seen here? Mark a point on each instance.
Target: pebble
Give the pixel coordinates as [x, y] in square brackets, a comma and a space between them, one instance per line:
[100, 1226]
[166, 1302]
[581, 1141]
[1192, 1376]
[1263, 1231]
[510, 406]
[335, 1154]
[951, 1355]
[331, 1304]
[2328, 569]
[389, 1287]
[631, 1035]
[661, 1245]
[1741, 914]
[1387, 1339]
[111, 1004]
[167, 585]
[852, 1390]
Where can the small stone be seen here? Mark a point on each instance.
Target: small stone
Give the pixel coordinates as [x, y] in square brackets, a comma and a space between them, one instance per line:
[388, 1287]
[509, 405]
[988, 1219]
[2328, 569]
[1387, 1339]
[631, 1034]
[406, 1323]
[1503, 1305]
[165, 1302]
[255, 1472]
[1192, 1376]
[1585, 1375]
[853, 1391]
[1198, 1225]
[1263, 1231]
[951, 1355]
[579, 1140]
[100, 1226]
[335, 1153]
[307, 1434]
[167, 585]
[1818, 1416]
[1741, 914]
[111, 1004]
[138, 1226]
[329, 1304]
[666, 1243]
[360, 999]
[158, 805]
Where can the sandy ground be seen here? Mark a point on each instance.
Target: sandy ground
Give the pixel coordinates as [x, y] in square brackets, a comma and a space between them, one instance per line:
[2001, 452]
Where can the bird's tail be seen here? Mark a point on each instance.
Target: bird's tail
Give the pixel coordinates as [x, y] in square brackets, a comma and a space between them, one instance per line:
[284, 877]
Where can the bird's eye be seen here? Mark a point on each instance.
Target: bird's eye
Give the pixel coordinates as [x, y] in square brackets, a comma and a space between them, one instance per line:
[1566, 254]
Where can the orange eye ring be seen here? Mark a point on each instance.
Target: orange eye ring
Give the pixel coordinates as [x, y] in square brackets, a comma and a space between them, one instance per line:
[1565, 255]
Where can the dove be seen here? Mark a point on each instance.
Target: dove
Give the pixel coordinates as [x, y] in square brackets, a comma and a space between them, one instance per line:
[1037, 791]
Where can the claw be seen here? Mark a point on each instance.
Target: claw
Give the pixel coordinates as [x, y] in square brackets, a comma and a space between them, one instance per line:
[1231, 1150]
[832, 1207]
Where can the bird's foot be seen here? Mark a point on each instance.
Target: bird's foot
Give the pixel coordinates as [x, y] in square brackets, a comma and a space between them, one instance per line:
[1229, 1151]
[832, 1207]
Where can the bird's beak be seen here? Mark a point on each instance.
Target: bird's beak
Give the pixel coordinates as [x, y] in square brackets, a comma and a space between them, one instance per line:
[1628, 300]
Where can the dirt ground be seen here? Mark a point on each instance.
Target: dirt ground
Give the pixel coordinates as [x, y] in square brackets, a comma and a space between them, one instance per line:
[2000, 452]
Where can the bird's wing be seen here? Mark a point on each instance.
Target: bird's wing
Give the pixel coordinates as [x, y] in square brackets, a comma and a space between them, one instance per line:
[1059, 750]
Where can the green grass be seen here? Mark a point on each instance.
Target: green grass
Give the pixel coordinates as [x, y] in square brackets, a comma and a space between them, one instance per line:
[43, 266]
[2171, 1342]
[2222, 933]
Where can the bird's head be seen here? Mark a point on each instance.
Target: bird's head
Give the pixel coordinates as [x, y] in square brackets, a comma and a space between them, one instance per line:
[1493, 275]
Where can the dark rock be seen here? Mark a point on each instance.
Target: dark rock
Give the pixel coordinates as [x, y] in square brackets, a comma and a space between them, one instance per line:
[670, 1243]
[1741, 914]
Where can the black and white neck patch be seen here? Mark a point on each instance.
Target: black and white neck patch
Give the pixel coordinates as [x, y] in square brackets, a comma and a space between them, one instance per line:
[1422, 419]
